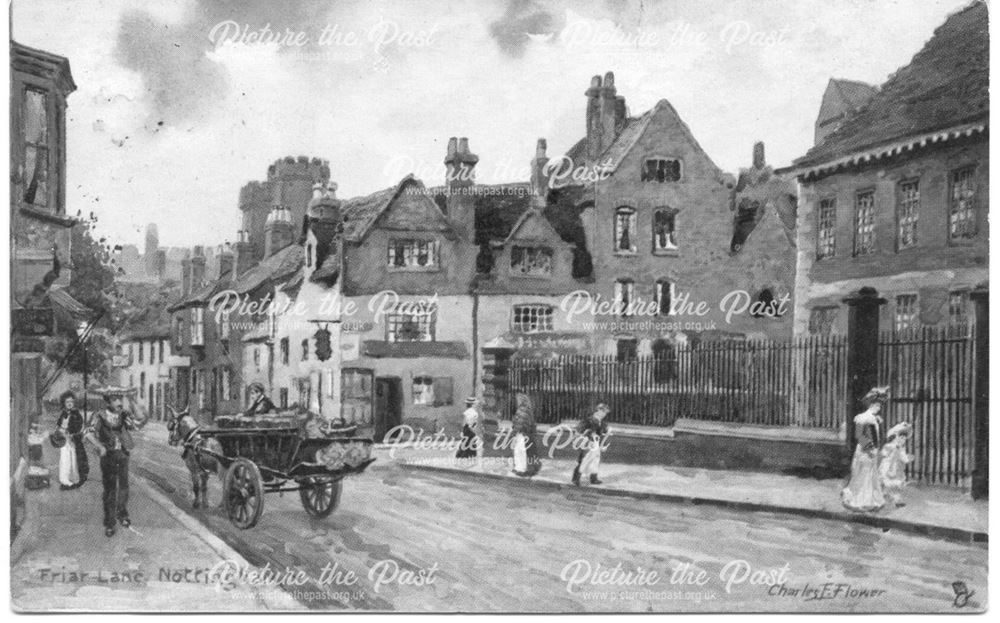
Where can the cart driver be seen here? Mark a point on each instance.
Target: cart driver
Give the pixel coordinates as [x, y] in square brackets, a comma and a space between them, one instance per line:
[259, 402]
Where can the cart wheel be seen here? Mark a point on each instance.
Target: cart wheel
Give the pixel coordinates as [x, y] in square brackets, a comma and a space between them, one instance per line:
[244, 493]
[320, 497]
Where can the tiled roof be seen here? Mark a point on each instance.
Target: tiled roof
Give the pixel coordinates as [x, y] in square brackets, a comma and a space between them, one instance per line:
[200, 296]
[360, 213]
[278, 266]
[945, 85]
[147, 331]
[617, 150]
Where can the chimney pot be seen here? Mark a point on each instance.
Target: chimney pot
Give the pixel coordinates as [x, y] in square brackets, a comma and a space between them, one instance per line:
[463, 145]
[452, 146]
[540, 148]
[609, 80]
[595, 81]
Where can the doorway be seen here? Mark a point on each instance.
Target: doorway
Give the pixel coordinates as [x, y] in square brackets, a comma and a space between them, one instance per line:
[388, 405]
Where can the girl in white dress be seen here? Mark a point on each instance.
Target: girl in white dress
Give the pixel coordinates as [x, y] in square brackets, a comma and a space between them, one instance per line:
[892, 467]
[864, 490]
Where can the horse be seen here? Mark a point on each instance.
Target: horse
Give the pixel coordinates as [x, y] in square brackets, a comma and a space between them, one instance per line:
[184, 430]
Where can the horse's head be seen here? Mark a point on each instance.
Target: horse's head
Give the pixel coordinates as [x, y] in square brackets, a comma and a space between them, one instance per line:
[179, 425]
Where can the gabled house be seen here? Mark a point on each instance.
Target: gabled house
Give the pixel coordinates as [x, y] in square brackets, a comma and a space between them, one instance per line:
[408, 350]
[520, 298]
[660, 220]
[897, 197]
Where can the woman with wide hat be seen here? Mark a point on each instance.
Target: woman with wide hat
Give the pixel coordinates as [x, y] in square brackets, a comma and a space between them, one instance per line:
[73, 464]
[864, 489]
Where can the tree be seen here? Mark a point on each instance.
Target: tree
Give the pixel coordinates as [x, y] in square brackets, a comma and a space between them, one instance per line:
[93, 284]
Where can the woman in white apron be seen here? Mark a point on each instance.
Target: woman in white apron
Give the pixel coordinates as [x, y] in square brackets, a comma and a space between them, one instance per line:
[73, 465]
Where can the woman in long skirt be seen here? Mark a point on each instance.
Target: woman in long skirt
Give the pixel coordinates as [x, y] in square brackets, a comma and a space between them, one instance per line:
[73, 464]
[526, 460]
[471, 444]
[864, 489]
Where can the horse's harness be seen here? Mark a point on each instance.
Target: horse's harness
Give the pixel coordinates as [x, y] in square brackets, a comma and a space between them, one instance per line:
[194, 441]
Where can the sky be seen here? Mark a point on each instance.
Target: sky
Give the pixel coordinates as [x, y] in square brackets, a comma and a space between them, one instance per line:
[181, 102]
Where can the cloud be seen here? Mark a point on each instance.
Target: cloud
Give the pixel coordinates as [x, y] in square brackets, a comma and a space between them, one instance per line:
[181, 80]
[536, 21]
[523, 21]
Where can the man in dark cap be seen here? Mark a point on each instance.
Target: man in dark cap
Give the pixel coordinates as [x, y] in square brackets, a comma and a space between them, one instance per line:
[110, 432]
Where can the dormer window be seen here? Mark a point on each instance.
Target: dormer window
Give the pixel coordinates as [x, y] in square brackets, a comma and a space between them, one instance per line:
[661, 170]
[664, 233]
[531, 261]
[413, 254]
[625, 231]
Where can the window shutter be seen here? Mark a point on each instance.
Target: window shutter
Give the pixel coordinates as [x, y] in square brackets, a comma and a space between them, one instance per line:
[442, 391]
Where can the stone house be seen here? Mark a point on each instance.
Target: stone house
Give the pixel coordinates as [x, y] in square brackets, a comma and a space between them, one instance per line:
[661, 224]
[897, 197]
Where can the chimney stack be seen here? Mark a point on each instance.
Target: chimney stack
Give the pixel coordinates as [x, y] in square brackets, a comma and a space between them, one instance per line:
[539, 176]
[324, 205]
[594, 126]
[758, 155]
[198, 268]
[460, 164]
[243, 255]
[279, 231]
[226, 261]
[606, 114]
[186, 274]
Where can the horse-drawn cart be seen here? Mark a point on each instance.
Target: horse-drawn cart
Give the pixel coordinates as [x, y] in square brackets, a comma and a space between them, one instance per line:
[281, 459]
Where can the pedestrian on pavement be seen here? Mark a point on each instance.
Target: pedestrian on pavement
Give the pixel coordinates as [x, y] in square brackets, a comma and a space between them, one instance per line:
[472, 432]
[111, 434]
[259, 402]
[864, 489]
[73, 464]
[593, 430]
[892, 466]
[527, 463]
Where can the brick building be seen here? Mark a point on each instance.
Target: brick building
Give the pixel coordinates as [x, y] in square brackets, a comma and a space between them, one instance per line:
[897, 197]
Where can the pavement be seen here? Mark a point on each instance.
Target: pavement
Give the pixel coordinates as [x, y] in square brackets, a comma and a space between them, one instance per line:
[162, 563]
[934, 511]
